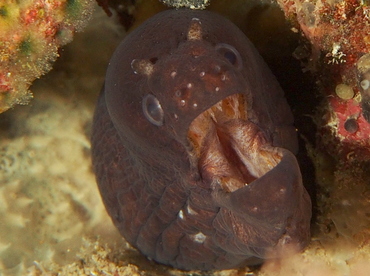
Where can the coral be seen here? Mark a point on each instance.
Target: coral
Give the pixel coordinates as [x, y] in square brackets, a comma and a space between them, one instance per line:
[338, 32]
[339, 28]
[345, 120]
[48, 196]
[31, 33]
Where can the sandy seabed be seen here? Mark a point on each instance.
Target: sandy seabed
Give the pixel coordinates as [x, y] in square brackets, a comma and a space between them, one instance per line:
[52, 219]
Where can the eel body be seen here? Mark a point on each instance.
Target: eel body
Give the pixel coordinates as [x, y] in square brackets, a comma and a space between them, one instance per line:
[193, 147]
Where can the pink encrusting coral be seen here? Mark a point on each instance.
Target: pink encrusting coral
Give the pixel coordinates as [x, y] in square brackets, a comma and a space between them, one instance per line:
[30, 34]
[347, 124]
[339, 35]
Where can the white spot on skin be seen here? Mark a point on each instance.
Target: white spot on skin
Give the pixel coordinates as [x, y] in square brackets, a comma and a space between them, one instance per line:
[195, 105]
[191, 211]
[195, 30]
[189, 85]
[173, 74]
[181, 214]
[217, 89]
[217, 68]
[202, 74]
[182, 102]
[199, 237]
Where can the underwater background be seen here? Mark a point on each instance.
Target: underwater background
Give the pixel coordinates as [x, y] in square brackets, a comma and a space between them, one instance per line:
[53, 222]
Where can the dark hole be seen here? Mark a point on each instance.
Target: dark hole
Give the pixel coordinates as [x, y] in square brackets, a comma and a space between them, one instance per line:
[351, 125]
[153, 60]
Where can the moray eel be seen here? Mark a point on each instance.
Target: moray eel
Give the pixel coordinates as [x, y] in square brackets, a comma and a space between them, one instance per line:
[193, 146]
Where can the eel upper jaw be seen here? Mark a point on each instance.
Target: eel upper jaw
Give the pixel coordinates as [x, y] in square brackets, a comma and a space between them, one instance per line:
[230, 150]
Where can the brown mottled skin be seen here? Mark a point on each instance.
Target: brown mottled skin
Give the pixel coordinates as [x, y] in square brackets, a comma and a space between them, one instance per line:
[153, 185]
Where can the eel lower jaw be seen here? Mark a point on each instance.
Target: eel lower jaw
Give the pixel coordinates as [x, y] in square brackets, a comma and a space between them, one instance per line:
[230, 150]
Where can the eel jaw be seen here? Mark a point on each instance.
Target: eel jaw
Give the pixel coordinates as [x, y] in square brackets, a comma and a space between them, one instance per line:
[264, 209]
[231, 150]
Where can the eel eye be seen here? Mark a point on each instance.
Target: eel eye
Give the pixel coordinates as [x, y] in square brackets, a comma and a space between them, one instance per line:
[231, 54]
[152, 109]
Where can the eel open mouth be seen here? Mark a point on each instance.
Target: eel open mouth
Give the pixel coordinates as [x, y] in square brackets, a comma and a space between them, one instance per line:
[231, 150]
